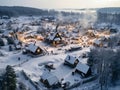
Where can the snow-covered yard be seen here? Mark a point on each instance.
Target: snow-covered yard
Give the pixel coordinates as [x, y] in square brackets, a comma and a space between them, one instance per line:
[35, 66]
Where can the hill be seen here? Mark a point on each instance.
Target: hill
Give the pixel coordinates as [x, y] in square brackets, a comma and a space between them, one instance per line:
[18, 11]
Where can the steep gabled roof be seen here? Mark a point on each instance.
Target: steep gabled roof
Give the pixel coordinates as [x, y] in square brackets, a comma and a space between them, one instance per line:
[52, 36]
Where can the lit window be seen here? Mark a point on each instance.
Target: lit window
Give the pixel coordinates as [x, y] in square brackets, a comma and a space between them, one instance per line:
[38, 50]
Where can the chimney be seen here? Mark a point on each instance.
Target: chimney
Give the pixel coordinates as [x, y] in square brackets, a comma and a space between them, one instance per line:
[57, 27]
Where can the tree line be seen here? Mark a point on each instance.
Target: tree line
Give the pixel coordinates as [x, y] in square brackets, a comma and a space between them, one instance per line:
[28, 11]
[107, 62]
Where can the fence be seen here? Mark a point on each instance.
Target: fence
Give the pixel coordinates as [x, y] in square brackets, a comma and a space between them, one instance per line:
[33, 83]
[82, 82]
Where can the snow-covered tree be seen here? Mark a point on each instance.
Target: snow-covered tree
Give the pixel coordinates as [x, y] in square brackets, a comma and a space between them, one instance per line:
[9, 82]
[102, 59]
[113, 41]
[1, 42]
[115, 66]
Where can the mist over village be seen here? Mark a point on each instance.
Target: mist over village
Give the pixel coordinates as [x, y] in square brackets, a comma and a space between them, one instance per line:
[59, 45]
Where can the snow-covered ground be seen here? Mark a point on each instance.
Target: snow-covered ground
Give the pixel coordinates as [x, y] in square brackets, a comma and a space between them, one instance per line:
[34, 67]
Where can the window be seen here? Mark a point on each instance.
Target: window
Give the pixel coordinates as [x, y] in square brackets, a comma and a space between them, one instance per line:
[38, 50]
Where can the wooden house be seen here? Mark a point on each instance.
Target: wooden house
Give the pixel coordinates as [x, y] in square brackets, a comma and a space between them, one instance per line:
[33, 49]
[49, 80]
[54, 38]
[83, 69]
[71, 61]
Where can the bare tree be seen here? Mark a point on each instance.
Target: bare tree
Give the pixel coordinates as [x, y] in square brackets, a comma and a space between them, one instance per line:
[102, 59]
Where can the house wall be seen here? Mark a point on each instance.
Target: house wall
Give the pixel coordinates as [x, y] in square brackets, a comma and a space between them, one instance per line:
[72, 65]
[45, 82]
[69, 64]
[36, 53]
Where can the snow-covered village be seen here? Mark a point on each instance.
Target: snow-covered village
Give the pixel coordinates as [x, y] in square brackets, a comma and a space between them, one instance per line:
[60, 49]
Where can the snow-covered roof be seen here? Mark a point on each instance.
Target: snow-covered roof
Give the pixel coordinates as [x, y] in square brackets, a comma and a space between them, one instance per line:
[51, 37]
[93, 31]
[18, 46]
[97, 42]
[52, 79]
[32, 47]
[45, 75]
[82, 67]
[6, 32]
[16, 42]
[70, 59]
[84, 38]
[57, 39]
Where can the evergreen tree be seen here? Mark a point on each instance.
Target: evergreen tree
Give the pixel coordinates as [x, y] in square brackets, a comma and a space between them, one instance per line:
[1, 42]
[9, 82]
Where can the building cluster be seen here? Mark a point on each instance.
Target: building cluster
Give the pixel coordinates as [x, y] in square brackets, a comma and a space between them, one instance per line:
[52, 81]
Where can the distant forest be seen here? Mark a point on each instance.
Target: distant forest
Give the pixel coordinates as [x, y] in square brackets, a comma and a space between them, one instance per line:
[14, 11]
[23, 11]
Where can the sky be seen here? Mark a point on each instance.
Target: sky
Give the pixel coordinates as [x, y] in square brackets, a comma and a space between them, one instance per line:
[60, 4]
